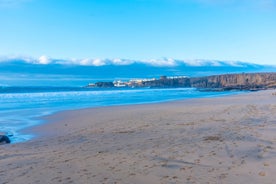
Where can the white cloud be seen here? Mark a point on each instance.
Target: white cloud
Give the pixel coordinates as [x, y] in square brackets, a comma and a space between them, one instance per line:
[213, 63]
[161, 62]
[236, 63]
[164, 62]
[15, 57]
[87, 62]
[41, 60]
[202, 62]
[97, 62]
[193, 62]
[44, 60]
[118, 61]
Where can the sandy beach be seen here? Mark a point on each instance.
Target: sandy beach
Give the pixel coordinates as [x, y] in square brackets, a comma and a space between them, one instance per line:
[229, 139]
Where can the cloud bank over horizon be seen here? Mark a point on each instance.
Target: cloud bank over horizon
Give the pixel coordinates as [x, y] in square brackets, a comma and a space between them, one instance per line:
[163, 62]
[78, 72]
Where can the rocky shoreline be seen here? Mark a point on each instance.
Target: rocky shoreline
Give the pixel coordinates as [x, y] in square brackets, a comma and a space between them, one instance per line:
[243, 81]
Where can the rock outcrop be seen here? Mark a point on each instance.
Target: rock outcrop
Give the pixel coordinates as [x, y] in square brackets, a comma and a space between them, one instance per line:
[4, 139]
[245, 81]
[167, 83]
[104, 84]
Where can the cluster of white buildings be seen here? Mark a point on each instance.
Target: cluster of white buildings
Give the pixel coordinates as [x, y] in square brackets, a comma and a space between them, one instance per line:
[138, 82]
[135, 82]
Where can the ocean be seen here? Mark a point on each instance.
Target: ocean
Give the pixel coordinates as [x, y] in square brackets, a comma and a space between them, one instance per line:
[30, 91]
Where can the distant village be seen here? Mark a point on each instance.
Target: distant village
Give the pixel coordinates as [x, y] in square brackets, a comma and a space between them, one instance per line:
[153, 82]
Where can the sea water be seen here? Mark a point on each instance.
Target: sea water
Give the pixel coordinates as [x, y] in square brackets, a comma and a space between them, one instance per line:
[21, 107]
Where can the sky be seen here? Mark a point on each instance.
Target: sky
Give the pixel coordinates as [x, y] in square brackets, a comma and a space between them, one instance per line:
[231, 30]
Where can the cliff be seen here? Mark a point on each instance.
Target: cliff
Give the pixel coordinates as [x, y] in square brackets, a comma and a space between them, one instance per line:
[166, 83]
[249, 81]
[244, 81]
[104, 84]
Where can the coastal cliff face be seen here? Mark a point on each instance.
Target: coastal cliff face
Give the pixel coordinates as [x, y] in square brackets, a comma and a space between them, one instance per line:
[236, 81]
[249, 81]
[104, 84]
[165, 82]
[244, 81]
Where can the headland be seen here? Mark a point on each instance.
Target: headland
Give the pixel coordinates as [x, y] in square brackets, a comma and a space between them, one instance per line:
[243, 81]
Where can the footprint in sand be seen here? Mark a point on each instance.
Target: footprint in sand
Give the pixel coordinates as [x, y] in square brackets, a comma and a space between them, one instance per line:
[266, 164]
[262, 173]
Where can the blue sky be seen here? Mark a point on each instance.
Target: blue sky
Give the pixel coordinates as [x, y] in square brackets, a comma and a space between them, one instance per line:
[243, 30]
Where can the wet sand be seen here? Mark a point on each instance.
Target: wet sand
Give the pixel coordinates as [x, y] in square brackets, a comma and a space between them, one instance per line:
[214, 140]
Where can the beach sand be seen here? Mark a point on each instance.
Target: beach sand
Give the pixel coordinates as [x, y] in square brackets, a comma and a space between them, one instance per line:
[229, 139]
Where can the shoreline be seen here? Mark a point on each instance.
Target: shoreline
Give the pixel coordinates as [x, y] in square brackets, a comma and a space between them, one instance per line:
[35, 132]
[24, 115]
[229, 139]
[38, 131]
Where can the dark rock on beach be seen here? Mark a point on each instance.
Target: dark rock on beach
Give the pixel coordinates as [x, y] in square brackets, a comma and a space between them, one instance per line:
[4, 139]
